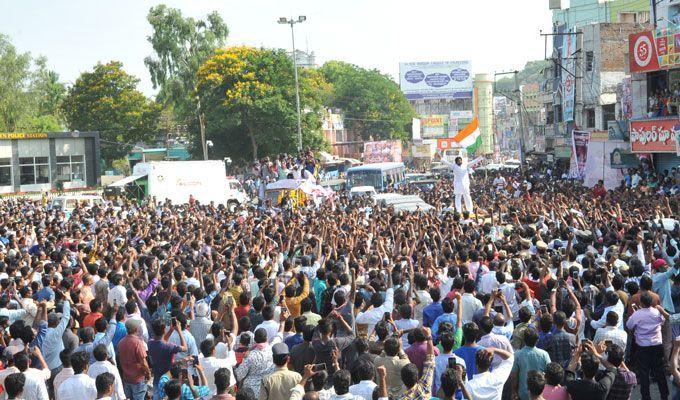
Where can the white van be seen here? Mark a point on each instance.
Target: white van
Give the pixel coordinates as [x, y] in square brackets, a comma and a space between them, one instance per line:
[68, 203]
[236, 195]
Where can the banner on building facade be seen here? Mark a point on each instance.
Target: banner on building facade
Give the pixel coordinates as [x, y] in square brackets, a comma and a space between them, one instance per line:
[568, 74]
[654, 50]
[434, 126]
[422, 150]
[436, 80]
[382, 151]
[654, 136]
[579, 142]
[627, 98]
[618, 130]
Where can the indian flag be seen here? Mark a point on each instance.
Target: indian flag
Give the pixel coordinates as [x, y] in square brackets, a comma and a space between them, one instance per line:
[469, 136]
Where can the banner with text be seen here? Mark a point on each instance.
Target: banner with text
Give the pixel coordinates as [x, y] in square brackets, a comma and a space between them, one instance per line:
[434, 126]
[436, 80]
[653, 136]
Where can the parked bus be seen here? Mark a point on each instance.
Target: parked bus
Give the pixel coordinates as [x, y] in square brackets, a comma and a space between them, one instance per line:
[380, 175]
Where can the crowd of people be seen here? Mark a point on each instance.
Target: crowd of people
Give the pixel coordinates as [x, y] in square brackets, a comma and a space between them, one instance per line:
[544, 290]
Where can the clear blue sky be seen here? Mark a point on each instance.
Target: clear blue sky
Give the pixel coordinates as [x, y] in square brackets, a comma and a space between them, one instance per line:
[494, 34]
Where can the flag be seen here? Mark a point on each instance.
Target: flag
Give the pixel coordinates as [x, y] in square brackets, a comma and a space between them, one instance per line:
[469, 137]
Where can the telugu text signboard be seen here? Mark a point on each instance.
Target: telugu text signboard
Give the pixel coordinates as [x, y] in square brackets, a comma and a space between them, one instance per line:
[436, 80]
[653, 136]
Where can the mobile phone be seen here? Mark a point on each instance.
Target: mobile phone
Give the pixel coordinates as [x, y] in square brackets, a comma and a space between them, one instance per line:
[574, 275]
[281, 299]
[319, 367]
[453, 362]
[544, 309]
[188, 296]
[387, 316]
[227, 333]
[173, 321]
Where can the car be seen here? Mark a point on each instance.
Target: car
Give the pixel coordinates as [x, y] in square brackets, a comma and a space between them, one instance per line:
[69, 202]
[335, 184]
[359, 191]
[236, 195]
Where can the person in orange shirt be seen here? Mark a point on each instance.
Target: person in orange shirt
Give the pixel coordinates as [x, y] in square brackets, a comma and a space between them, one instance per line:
[291, 300]
[94, 315]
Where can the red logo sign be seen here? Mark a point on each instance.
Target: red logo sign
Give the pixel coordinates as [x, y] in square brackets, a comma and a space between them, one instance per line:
[643, 53]
[653, 136]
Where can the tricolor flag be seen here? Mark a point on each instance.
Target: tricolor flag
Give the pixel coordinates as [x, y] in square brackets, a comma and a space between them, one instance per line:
[469, 136]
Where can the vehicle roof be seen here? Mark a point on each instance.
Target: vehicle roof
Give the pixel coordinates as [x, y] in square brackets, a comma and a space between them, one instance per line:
[362, 189]
[78, 196]
[376, 167]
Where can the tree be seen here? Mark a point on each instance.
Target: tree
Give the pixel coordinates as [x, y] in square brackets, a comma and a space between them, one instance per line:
[181, 46]
[532, 73]
[107, 100]
[248, 96]
[373, 105]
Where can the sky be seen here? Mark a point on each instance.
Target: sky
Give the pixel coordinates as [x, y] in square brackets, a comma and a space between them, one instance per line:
[495, 35]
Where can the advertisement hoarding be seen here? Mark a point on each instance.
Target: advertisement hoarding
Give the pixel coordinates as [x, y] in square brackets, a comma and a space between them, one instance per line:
[422, 150]
[654, 136]
[434, 126]
[436, 80]
[382, 151]
[580, 141]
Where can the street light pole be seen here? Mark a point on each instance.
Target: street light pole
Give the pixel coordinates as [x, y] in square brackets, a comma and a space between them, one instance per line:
[292, 22]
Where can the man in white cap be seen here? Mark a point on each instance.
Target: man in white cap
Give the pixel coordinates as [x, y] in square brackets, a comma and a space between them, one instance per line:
[200, 325]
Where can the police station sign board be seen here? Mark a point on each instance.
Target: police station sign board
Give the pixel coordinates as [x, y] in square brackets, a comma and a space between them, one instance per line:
[436, 80]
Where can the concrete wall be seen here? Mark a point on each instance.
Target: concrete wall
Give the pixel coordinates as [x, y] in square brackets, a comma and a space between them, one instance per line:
[483, 91]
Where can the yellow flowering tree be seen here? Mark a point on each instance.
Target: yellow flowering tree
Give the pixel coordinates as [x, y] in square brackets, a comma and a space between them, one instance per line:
[248, 96]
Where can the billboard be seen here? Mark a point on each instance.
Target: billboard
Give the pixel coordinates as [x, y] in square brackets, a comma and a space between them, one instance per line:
[422, 150]
[654, 136]
[436, 80]
[434, 126]
[580, 141]
[382, 151]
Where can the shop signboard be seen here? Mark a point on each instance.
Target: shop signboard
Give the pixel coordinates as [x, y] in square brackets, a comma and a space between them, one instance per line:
[436, 80]
[654, 50]
[654, 136]
[422, 150]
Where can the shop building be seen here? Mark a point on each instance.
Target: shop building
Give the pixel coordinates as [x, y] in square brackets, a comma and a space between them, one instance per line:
[654, 62]
[33, 162]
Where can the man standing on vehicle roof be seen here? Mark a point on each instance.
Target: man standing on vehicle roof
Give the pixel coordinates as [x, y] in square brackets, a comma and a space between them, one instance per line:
[461, 182]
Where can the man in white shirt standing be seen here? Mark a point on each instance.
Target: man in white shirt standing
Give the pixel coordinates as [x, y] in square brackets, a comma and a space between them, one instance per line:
[210, 364]
[470, 303]
[461, 184]
[269, 324]
[372, 316]
[485, 385]
[117, 295]
[102, 365]
[80, 386]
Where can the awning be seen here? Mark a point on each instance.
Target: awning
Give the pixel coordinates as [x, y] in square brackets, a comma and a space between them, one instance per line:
[126, 180]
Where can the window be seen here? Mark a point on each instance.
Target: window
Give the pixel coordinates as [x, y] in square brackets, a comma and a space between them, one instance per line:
[608, 114]
[550, 117]
[627, 17]
[5, 172]
[34, 170]
[643, 17]
[70, 168]
[590, 117]
[338, 136]
[558, 113]
[589, 60]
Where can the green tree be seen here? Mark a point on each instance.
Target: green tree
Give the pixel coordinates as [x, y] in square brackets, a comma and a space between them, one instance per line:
[107, 100]
[181, 45]
[15, 100]
[532, 73]
[372, 103]
[248, 96]
[30, 93]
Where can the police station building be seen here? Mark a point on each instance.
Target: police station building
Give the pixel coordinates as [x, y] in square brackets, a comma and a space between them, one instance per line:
[33, 162]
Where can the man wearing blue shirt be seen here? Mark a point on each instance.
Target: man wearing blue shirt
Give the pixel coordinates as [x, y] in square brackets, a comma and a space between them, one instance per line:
[447, 316]
[432, 311]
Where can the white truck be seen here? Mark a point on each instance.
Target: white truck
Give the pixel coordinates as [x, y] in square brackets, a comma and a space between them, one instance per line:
[177, 181]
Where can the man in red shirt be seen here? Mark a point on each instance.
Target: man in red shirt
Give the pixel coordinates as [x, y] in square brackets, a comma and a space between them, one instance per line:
[599, 190]
[133, 362]
[94, 315]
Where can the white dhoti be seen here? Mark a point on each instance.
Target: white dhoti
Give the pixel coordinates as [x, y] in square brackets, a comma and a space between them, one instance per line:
[468, 202]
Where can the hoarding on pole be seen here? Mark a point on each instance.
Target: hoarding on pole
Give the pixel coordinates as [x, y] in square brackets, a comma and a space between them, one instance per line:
[434, 126]
[580, 141]
[436, 80]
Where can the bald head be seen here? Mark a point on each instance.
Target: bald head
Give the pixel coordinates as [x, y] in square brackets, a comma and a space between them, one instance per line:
[310, 396]
[499, 320]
